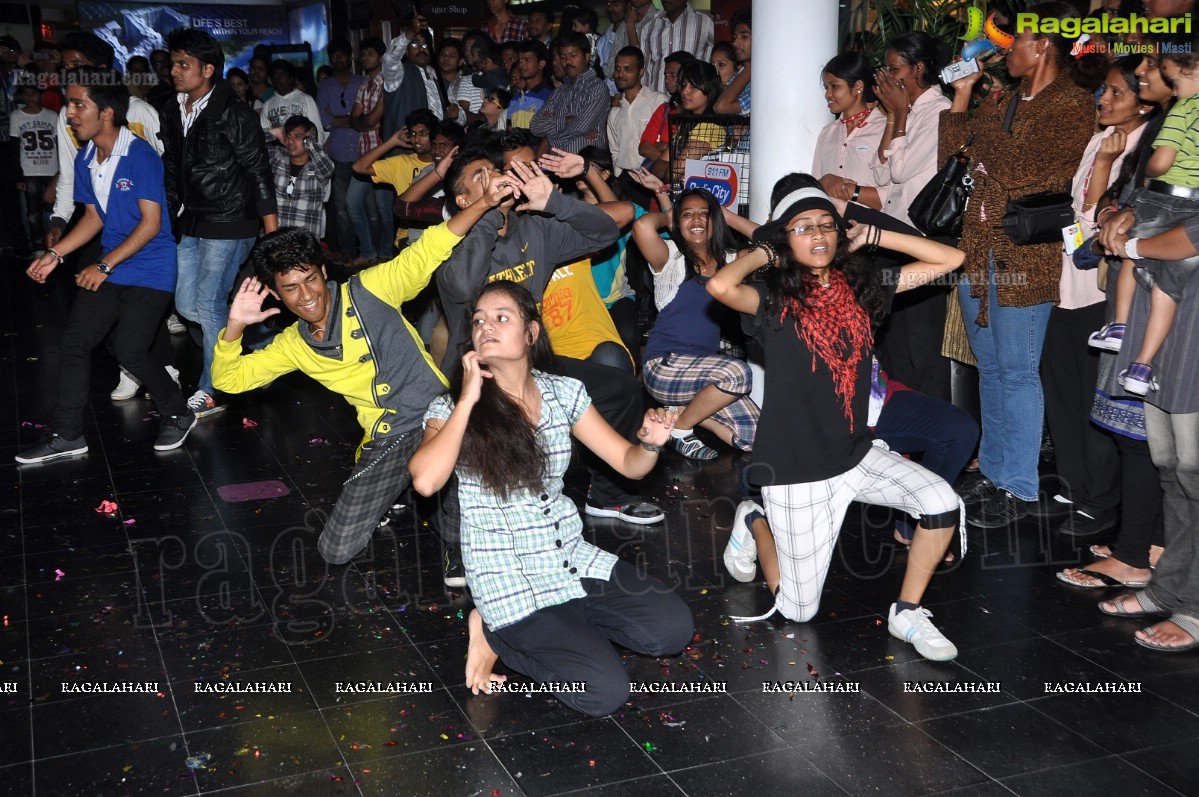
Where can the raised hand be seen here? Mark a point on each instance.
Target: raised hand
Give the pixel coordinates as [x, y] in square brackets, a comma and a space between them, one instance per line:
[246, 309]
[564, 164]
[473, 374]
[444, 164]
[655, 428]
[890, 92]
[500, 189]
[646, 179]
[857, 235]
[533, 184]
[1112, 146]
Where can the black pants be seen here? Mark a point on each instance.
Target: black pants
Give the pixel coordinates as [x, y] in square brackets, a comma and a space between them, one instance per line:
[572, 641]
[616, 394]
[133, 314]
[1142, 522]
[624, 316]
[1087, 460]
[34, 210]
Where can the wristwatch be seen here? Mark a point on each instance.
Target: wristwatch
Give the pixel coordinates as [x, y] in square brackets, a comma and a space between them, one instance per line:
[103, 268]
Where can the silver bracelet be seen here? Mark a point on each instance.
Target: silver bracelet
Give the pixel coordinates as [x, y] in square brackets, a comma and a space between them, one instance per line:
[651, 447]
[1130, 249]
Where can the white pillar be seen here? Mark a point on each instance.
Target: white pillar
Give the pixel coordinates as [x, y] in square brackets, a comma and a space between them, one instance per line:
[792, 42]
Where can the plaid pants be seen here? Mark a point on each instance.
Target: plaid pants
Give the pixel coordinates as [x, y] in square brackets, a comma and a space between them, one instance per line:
[379, 477]
[676, 379]
[806, 519]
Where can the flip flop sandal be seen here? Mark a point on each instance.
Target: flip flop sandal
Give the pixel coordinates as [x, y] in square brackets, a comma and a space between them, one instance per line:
[1186, 623]
[1148, 607]
[1106, 581]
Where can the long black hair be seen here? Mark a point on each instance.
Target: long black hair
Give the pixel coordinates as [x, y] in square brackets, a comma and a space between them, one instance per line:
[500, 445]
[792, 280]
[720, 240]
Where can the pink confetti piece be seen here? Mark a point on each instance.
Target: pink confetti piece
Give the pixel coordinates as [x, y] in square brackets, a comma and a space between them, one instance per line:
[107, 508]
[59, 575]
[31, 425]
[246, 423]
[317, 441]
[130, 522]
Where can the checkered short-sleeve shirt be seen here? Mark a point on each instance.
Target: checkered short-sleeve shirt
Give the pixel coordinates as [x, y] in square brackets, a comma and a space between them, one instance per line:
[527, 552]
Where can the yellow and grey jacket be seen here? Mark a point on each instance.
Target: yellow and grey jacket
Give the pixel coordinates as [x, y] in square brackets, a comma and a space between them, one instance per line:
[371, 355]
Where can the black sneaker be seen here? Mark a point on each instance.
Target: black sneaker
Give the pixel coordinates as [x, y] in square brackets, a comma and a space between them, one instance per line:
[1004, 509]
[977, 491]
[455, 573]
[640, 513]
[174, 431]
[1052, 505]
[53, 446]
[1084, 524]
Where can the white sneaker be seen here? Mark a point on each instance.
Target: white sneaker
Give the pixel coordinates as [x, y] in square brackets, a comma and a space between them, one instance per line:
[174, 372]
[174, 325]
[913, 625]
[741, 554]
[126, 388]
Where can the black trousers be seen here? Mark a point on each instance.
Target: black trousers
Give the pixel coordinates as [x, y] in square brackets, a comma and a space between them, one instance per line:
[133, 314]
[616, 394]
[572, 642]
[1142, 522]
[1088, 463]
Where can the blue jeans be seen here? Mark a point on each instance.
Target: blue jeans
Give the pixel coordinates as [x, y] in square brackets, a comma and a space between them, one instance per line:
[207, 268]
[370, 209]
[1008, 351]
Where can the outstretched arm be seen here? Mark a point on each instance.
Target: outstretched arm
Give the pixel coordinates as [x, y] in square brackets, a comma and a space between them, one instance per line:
[630, 459]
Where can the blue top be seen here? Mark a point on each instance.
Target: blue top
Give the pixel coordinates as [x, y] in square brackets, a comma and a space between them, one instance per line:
[611, 279]
[138, 175]
[690, 324]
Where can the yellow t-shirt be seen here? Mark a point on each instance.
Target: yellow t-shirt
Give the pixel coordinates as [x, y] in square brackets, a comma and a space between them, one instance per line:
[574, 314]
[399, 171]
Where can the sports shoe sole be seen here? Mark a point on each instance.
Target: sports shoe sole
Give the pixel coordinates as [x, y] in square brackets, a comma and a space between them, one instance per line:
[597, 511]
[204, 413]
[78, 452]
[1105, 344]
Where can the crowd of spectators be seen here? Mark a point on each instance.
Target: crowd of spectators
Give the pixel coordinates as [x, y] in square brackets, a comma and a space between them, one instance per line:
[549, 162]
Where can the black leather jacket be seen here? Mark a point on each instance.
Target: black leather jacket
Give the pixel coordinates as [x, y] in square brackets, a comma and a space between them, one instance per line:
[220, 172]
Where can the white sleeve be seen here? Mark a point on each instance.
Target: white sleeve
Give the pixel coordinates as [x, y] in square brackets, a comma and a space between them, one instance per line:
[393, 67]
[64, 200]
[314, 114]
[144, 113]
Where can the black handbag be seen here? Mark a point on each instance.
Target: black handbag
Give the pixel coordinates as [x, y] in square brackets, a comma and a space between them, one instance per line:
[1035, 218]
[1038, 218]
[938, 209]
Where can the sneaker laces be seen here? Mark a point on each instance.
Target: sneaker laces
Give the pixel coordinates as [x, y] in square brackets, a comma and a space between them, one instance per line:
[198, 401]
[766, 616]
[920, 622]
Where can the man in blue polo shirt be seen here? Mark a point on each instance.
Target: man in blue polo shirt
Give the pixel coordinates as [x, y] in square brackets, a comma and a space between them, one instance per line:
[119, 182]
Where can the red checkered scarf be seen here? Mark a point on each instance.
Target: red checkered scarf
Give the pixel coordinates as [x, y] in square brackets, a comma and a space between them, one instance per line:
[836, 329]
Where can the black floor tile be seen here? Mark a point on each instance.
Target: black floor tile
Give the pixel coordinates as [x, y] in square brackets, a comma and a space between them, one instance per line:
[897, 688]
[586, 754]
[1121, 723]
[155, 766]
[63, 727]
[461, 769]
[1175, 765]
[757, 774]
[1102, 776]
[1029, 740]
[652, 786]
[395, 724]
[891, 760]
[699, 732]
[283, 692]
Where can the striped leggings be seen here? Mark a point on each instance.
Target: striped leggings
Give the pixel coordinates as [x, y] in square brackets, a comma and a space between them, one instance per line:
[675, 380]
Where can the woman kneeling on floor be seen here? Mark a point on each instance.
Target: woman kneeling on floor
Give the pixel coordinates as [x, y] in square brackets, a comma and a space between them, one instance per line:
[815, 316]
[548, 603]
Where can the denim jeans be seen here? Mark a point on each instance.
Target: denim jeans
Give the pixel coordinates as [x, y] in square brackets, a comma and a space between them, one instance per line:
[1008, 351]
[370, 209]
[343, 228]
[207, 268]
[1174, 444]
